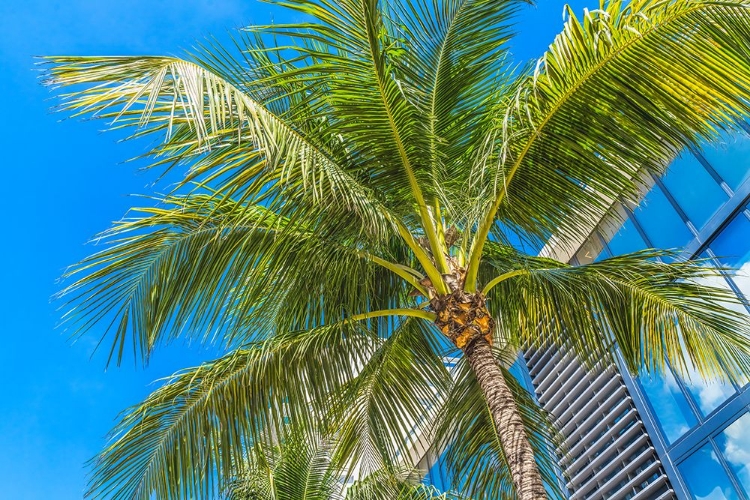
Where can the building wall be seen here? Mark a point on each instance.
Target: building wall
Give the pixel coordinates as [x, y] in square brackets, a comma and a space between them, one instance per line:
[700, 431]
[658, 437]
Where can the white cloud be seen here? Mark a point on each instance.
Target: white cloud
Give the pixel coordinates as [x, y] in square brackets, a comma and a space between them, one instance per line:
[737, 448]
[717, 494]
[710, 394]
[742, 278]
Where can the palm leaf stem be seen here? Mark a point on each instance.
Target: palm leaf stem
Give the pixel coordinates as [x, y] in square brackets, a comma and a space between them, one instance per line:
[415, 313]
[405, 272]
[429, 267]
[503, 277]
[368, 11]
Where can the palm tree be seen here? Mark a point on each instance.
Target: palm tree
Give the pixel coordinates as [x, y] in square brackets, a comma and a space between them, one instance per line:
[302, 466]
[353, 185]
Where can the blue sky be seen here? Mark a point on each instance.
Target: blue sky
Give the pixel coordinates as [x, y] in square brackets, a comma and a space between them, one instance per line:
[64, 182]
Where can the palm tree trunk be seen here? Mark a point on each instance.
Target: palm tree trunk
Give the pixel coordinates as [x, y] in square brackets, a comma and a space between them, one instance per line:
[508, 424]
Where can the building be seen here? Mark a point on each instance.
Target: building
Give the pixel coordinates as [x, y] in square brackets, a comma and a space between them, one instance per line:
[658, 438]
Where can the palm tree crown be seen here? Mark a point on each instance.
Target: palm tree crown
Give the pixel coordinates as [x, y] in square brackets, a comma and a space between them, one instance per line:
[303, 465]
[353, 183]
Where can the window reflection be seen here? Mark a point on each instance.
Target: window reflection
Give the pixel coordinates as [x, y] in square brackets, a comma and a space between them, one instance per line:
[670, 406]
[708, 395]
[732, 247]
[730, 156]
[705, 477]
[660, 221]
[695, 190]
[734, 444]
[437, 474]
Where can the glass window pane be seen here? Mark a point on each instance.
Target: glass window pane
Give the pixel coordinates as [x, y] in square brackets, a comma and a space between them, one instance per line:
[730, 156]
[436, 476]
[695, 190]
[718, 281]
[670, 406]
[732, 247]
[705, 477]
[660, 221]
[708, 395]
[518, 370]
[626, 240]
[734, 444]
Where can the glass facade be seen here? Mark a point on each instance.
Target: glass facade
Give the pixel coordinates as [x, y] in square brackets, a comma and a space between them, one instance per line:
[734, 445]
[705, 475]
[663, 436]
[701, 206]
[670, 405]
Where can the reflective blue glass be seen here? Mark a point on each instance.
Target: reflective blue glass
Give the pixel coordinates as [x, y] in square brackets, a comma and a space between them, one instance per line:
[626, 240]
[734, 444]
[708, 395]
[705, 477]
[695, 190]
[670, 406]
[518, 370]
[732, 247]
[730, 156]
[660, 221]
[520, 241]
[437, 476]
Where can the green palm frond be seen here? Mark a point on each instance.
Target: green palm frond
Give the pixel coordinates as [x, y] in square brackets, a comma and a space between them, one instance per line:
[355, 49]
[385, 485]
[620, 91]
[380, 414]
[218, 270]
[297, 466]
[473, 455]
[212, 125]
[452, 67]
[657, 312]
[186, 438]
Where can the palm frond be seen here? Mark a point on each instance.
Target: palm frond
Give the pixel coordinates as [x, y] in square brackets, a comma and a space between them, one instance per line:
[657, 312]
[297, 466]
[186, 439]
[212, 125]
[392, 402]
[453, 71]
[621, 91]
[387, 485]
[210, 268]
[355, 48]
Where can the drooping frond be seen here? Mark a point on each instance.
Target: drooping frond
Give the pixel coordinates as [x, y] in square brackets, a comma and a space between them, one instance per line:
[473, 455]
[392, 402]
[386, 485]
[657, 312]
[214, 269]
[213, 126]
[297, 466]
[186, 438]
[620, 91]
